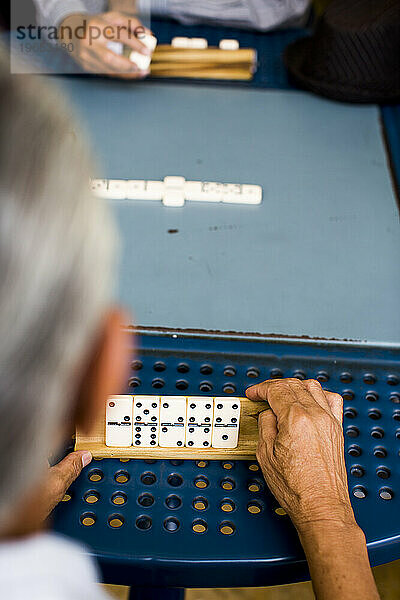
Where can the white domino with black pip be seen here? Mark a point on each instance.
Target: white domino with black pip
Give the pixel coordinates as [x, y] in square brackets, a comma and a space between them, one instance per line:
[199, 422]
[226, 422]
[172, 421]
[119, 421]
[146, 420]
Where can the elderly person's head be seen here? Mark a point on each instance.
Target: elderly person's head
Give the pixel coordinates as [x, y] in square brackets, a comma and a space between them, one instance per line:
[58, 336]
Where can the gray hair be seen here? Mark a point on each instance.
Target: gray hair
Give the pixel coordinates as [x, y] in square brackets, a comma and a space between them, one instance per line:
[56, 265]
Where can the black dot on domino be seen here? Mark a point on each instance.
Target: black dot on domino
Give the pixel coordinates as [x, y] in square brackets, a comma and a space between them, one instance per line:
[138, 435]
[153, 429]
[146, 412]
[218, 419]
[191, 430]
[154, 418]
[190, 443]
[234, 420]
[180, 419]
[206, 429]
[165, 405]
[179, 443]
[208, 406]
[137, 443]
[207, 419]
[138, 418]
[154, 405]
[191, 419]
[139, 404]
[152, 443]
[205, 443]
[164, 430]
[235, 406]
[127, 418]
[138, 429]
[192, 406]
[219, 406]
[153, 436]
[224, 437]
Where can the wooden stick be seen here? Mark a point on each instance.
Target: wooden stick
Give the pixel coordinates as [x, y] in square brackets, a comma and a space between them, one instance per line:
[160, 67]
[232, 74]
[207, 55]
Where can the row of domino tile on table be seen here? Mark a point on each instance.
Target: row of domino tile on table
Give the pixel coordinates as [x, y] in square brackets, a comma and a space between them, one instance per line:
[172, 421]
[174, 190]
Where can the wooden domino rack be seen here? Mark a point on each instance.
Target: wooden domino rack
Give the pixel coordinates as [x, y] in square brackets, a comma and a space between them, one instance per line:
[207, 63]
[246, 448]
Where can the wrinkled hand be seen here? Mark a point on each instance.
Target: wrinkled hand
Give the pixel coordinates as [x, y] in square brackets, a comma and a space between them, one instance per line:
[93, 54]
[59, 479]
[301, 450]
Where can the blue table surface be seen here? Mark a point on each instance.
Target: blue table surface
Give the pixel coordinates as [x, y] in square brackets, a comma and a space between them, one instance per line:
[318, 258]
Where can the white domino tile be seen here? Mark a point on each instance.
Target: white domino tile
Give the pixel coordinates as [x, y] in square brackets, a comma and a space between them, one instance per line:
[180, 42]
[198, 43]
[172, 421]
[119, 421]
[226, 422]
[142, 61]
[199, 421]
[150, 41]
[229, 45]
[146, 415]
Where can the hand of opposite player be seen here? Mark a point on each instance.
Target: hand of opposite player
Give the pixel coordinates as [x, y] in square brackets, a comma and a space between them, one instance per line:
[90, 36]
[301, 450]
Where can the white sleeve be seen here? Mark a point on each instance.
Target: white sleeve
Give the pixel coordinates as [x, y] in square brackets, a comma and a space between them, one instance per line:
[261, 15]
[51, 13]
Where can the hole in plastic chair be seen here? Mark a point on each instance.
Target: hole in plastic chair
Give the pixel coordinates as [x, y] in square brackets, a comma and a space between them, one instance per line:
[346, 377]
[175, 480]
[369, 378]
[206, 369]
[95, 475]
[201, 464]
[227, 505]
[183, 368]
[146, 500]
[227, 528]
[227, 484]
[119, 498]
[173, 501]
[229, 371]
[254, 507]
[136, 365]
[200, 503]
[255, 486]
[159, 366]
[377, 433]
[276, 374]
[253, 372]
[393, 380]
[359, 492]
[181, 384]
[205, 386]
[158, 383]
[91, 497]
[386, 493]
[134, 382]
[171, 524]
[143, 522]
[229, 388]
[148, 478]
[121, 476]
[116, 521]
[201, 482]
[199, 526]
[88, 519]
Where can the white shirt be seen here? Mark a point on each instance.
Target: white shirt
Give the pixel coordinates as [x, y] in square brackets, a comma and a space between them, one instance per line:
[46, 566]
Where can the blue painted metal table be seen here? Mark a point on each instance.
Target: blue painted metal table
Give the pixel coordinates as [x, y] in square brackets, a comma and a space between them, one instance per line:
[318, 259]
